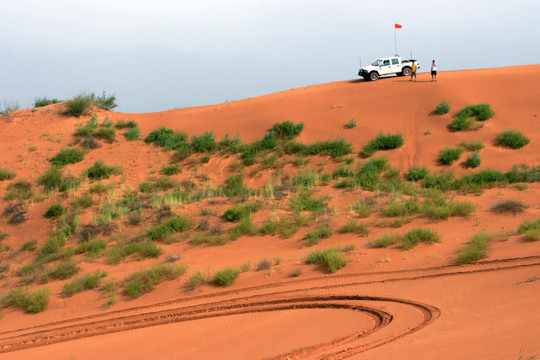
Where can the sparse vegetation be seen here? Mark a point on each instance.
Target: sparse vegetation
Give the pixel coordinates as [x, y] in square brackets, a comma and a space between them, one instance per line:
[315, 236]
[32, 301]
[450, 155]
[354, 227]
[382, 142]
[287, 130]
[351, 124]
[512, 139]
[197, 279]
[44, 101]
[508, 207]
[472, 145]
[473, 160]
[529, 225]
[417, 173]
[143, 282]
[6, 174]
[225, 277]
[443, 108]
[82, 104]
[477, 249]
[331, 259]
[101, 171]
[55, 211]
[175, 225]
[68, 156]
[87, 282]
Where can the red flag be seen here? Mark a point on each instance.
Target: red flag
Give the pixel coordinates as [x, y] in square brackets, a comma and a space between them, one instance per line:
[397, 26]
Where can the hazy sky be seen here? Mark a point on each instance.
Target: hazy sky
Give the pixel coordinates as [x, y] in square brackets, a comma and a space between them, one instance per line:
[163, 54]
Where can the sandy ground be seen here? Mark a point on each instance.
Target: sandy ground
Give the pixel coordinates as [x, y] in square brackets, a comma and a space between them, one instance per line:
[386, 304]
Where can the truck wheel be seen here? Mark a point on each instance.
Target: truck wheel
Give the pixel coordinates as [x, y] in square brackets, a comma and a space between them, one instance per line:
[373, 76]
[406, 71]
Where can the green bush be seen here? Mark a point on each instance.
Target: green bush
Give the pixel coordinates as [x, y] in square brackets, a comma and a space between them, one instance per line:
[197, 279]
[354, 227]
[315, 236]
[78, 106]
[351, 124]
[107, 134]
[55, 211]
[100, 171]
[532, 235]
[143, 282]
[473, 160]
[62, 271]
[287, 130]
[450, 155]
[512, 139]
[397, 208]
[477, 249]
[529, 225]
[94, 247]
[133, 133]
[30, 245]
[335, 148]
[237, 213]
[386, 241]
[480, 111]
[68, 156]
[305, 202]
[382, 142]
[44, 101]
[416, 236]
[225, 277]
[417, 172]
[462, 123]
[443, 108]
[142, 250]
[170, 170]
[330, 258]
[472, 145]
[6, 174]
[33, 302]
[21, 190]
[123, 124]
[168, 138]
[204, 143]
[174, 225]
[90, 281]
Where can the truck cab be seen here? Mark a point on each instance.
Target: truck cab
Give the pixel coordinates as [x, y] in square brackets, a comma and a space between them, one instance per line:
[386, 66]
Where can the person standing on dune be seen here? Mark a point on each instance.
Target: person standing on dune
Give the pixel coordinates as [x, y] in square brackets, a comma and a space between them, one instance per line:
[413, 70]
[433, 71]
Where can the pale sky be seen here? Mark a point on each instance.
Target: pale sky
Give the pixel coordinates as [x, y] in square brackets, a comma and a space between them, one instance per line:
[163, 54]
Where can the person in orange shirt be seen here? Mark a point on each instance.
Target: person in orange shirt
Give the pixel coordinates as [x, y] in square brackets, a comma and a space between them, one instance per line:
[413, 70]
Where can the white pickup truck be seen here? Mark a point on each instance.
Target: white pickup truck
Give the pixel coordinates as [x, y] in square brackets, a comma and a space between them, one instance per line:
[386, 66]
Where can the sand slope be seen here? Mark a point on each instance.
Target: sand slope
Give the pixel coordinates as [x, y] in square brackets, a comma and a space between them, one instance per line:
[386, 304]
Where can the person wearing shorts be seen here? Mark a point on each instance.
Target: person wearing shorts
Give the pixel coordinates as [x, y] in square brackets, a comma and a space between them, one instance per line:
[413, 70]
[433, 71]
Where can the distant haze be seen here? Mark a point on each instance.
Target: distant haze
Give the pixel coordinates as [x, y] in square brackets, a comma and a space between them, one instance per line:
[164, 54]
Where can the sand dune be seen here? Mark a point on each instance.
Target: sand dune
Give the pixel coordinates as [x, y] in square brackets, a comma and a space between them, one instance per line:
[387, 303]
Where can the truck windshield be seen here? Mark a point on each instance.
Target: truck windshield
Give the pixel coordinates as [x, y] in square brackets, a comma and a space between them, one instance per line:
[377, 62]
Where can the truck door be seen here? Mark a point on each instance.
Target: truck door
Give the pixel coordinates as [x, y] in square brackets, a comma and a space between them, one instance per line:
[396, 66]
[385, 67]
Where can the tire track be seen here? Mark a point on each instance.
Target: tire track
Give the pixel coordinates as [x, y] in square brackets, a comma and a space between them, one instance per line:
[242, 303]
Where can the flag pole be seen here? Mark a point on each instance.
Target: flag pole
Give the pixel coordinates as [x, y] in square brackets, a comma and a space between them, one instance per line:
[395, 41]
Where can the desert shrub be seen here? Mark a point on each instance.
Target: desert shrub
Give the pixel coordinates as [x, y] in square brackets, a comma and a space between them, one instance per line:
[237, 213]
[532, 235]
[287, 130]
[68, 156]
[397, 208]
[315, 236]
[90, 281]
[416, 236]
[450, 155]
[30, 245]
[305, 178]
[472, 145]
[354, 227]
[334, 148]
[264, 264]
[197, 279]
[351, 124]
[477, 249]
[529, 225]
[143, 282]
[245, 227]
[362, 208]
[443, 108]
[83, 202]
[462, 123]
[141, 250]
[101, 171]
[161, 184]
[52, 179]
[508, 207]
[473, 160]
[167, 138]
[33, 302]
[174, 225]
[382, 142]
[104, 101]
[21, 190]
[417, 172]
[93, 247]
[61, 271]
[170, 170]
[512, 139]
[305, 202]
[80, 105]
[204, 143]
[6, 174]
[123, 124]
[479, 111]
[386, 241]
[329, 258]
[106, 133]
[440, 209]
[234, 186]
[133, 133]
[225, 277]
[44, 101]
[88, 129]
[55, 211]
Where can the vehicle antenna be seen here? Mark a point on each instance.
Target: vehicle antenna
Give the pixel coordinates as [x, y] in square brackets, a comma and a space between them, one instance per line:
[360, 59]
